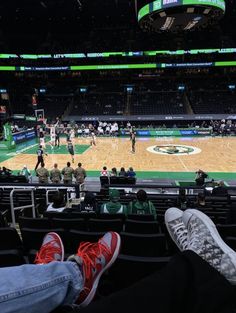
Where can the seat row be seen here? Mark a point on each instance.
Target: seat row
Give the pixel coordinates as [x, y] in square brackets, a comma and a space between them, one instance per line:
[92, 224]
[142, 245]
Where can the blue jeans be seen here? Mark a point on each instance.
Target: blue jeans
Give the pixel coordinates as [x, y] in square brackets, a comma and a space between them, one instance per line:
[39, 288]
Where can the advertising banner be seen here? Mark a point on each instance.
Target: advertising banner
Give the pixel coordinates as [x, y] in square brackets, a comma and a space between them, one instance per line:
[9, 141]
[167, 132]
[23, 136]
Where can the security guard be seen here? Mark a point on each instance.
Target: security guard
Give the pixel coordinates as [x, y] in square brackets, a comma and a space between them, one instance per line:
[42, 174]
[67, 173]
[55, 175]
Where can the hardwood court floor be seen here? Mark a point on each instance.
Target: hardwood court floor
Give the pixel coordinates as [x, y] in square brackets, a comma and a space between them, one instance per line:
[217, 155]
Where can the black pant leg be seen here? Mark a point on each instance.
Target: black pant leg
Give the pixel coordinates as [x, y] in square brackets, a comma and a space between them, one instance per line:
[187, 284]
[36, 166]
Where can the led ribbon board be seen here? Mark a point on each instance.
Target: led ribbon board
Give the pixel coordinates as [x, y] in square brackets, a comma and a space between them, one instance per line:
[117, 66]
[173, 15]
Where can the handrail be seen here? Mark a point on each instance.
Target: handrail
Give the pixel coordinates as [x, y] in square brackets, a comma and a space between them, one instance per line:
[47, 194]
[13, 209]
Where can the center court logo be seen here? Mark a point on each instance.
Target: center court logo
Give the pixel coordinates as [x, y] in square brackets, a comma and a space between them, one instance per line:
[173, 150]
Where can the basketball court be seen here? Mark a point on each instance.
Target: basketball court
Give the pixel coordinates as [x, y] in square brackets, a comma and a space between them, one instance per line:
[153, 157]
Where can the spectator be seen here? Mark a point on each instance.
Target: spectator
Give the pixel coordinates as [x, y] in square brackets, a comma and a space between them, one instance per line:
[89, 204]
[122, 172]
[55, 175]
[200, 177]
[113, 172]
[67, 172]
[26, 172]
[142, 205]
[42, 174]
[182, 201]
[104, 171]
[114, 205]
[220, 190]
[130, 172]
[6, 171]
[200, 203]
[58, 204]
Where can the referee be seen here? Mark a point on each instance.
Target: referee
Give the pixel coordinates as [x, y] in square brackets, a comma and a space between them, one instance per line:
[39, 153]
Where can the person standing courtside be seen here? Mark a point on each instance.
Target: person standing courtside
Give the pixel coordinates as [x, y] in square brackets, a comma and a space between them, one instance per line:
[80, 175]
[55, 175]
[40, 154]
[67, 173]
[42, 174]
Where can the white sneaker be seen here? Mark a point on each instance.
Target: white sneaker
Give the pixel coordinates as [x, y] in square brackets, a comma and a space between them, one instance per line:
[204, 240]
[176, 228]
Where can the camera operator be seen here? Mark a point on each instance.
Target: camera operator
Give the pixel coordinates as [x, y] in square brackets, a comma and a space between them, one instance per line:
[200, 177]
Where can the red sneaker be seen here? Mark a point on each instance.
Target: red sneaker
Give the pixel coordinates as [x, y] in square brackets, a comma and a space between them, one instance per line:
[95, 259]
[52, 249]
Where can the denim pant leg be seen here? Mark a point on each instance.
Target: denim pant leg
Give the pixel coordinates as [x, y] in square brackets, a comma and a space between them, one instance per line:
[39, 288]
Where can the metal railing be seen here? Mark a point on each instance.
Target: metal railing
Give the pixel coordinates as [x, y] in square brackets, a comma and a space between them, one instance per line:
[13, 209]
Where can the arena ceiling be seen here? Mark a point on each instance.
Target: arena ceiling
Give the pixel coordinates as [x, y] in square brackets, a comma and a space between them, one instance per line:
[26, 24]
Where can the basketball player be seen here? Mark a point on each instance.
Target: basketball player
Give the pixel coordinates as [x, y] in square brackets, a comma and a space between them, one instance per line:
[67, 136]
[93, 139]
[42, 138]
[52, 140]
[40, 154]
[70, 148]
[133, 140]
[57, 138]
[72, 134]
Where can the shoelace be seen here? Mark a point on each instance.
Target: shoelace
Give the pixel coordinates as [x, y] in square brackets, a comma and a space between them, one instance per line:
[181, 234]
[89, 252]
[46, 253]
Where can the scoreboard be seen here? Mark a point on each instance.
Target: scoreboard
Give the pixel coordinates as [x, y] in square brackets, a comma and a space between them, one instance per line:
[173, 15]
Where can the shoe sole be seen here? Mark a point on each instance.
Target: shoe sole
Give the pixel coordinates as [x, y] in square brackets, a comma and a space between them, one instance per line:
[214, 232]
[62, 246]
[91, 295]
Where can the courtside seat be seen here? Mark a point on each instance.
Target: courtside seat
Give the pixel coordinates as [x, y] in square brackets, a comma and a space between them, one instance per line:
[11, 257]
[226, 230]
[133, 268]
[32, 237]
[111, 216]
[75, 237]
[71, 223]
[104, 225]
[231, 241]
[147, 245]
[10, 239]
[141, 217]
[30, 222]
[104, 180]
[141, 227]
[11, 247]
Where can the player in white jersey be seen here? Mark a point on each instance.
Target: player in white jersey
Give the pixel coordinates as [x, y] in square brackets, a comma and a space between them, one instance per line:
[52, 140]
[42, 142]
[93, 139]
[72, 134]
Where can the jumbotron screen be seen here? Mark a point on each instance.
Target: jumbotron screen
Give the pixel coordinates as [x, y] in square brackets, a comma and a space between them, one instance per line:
[174, 15]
